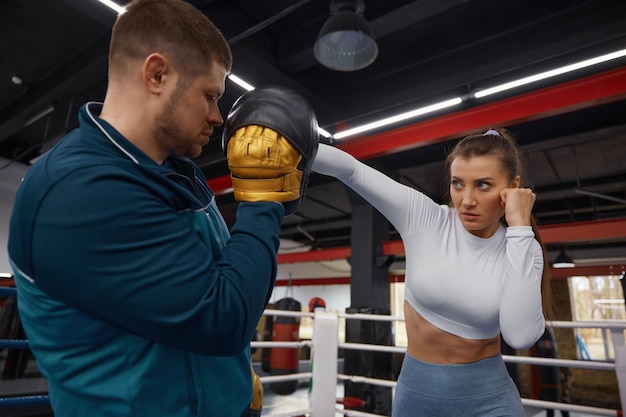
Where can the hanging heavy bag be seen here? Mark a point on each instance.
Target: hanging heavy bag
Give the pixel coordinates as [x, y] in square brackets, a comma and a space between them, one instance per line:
[267, 337]
[545, 380]
[284, 361]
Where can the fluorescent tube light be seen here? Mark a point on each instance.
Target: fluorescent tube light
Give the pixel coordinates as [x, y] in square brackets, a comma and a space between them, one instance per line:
[563, 265]
[399, 117]
[323, 132]
[240, 82]
[563, 261]
[39, 115]
[247, 86]
[111, 4]
[551, 73]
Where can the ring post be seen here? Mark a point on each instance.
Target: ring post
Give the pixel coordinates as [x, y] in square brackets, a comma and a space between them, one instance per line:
[324, 383]
[619, 348]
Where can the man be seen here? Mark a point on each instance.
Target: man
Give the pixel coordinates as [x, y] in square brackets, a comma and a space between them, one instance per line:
[135, 297]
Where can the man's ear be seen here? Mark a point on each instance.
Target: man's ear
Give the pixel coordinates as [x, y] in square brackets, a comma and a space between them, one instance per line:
[155, 70]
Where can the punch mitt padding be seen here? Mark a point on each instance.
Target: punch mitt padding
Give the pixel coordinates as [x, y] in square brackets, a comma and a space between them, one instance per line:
[270, 139]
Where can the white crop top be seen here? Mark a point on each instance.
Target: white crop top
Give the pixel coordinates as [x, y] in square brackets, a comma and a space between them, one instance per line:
[461, 283]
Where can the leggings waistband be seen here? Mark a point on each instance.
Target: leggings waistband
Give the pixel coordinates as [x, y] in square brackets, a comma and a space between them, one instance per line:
[455, 380]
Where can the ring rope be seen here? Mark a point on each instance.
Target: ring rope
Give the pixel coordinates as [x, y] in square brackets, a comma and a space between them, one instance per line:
[24, 401]
[44, 399]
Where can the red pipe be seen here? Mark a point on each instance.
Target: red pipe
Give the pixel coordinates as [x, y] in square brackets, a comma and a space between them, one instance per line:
[557, 233]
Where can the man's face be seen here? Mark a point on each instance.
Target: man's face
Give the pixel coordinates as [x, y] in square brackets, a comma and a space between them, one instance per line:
[190, 114]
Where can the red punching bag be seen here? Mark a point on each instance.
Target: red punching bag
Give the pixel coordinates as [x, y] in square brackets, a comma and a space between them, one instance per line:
[315, 303]
[284, 361]
[267, 337]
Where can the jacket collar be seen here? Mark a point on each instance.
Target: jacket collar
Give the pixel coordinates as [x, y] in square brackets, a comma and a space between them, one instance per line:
[88, 117]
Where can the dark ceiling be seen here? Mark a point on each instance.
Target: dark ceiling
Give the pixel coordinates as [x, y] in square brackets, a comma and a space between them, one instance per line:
[573, 127]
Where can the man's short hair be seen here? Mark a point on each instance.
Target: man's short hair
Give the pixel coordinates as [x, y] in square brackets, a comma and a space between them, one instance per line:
[173, 28]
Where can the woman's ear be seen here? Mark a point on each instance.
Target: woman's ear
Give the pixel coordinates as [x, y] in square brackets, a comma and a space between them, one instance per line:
[516, 182]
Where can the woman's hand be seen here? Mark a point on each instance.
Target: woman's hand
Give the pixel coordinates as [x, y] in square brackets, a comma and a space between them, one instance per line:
[517, 203]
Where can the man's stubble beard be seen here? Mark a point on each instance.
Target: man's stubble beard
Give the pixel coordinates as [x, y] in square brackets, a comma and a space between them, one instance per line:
[168, 133]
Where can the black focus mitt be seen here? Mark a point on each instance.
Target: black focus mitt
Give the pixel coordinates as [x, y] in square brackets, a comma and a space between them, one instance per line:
[270, 139]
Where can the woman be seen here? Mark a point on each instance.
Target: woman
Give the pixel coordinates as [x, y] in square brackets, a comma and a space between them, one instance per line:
[474, 270]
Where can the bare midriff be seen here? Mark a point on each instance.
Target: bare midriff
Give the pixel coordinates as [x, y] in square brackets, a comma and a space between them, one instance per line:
[431, 344]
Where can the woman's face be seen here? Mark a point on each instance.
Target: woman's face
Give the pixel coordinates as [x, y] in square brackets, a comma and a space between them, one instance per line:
[475, 186]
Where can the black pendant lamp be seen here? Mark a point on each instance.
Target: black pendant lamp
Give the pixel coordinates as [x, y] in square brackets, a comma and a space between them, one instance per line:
[562, 260]
[346, 42]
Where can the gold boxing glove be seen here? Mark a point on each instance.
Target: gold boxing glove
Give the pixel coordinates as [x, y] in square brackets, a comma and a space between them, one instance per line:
[263, 165]
[256, 405]
[270, 139]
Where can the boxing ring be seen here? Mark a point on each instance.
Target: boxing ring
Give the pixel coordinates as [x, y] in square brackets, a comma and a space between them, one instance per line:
[325, 345]
[324, 376]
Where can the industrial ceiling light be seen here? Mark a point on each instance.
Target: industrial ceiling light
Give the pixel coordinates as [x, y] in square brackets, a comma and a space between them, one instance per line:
[39, 115]
[113, 5]
[552, 73]
[563, 261]
[398, 117]
[346, 42]
[240, 82]
[249, 87]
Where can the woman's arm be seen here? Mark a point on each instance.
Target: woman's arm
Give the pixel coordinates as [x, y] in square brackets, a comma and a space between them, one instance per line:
[406, 208]
[521, 314]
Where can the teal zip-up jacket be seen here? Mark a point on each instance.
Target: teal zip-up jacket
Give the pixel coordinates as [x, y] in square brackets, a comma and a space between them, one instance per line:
[135, 297]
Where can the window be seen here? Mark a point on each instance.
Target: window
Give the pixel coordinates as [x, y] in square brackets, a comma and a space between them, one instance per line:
[396, 291]
[596, 298]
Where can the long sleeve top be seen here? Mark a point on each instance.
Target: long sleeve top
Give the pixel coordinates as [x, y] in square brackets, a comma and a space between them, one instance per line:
[136, 298]
[466, 285]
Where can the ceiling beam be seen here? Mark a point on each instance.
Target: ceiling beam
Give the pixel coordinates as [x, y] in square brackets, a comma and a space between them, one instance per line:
[584, 231]
[598, 270]
[582, 93]
[315, 255]
[560, 233]
[574, 95]
[555, 273]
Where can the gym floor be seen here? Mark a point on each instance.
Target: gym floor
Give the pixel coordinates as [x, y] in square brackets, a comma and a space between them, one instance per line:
[273, 404]
[282, 405]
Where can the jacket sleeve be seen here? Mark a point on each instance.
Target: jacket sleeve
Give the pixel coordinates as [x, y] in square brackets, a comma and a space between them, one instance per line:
[117, 250]
[521, 315]
[406, 208]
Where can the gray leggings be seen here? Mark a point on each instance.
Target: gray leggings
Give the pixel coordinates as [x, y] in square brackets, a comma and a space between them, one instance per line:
[479, 389]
